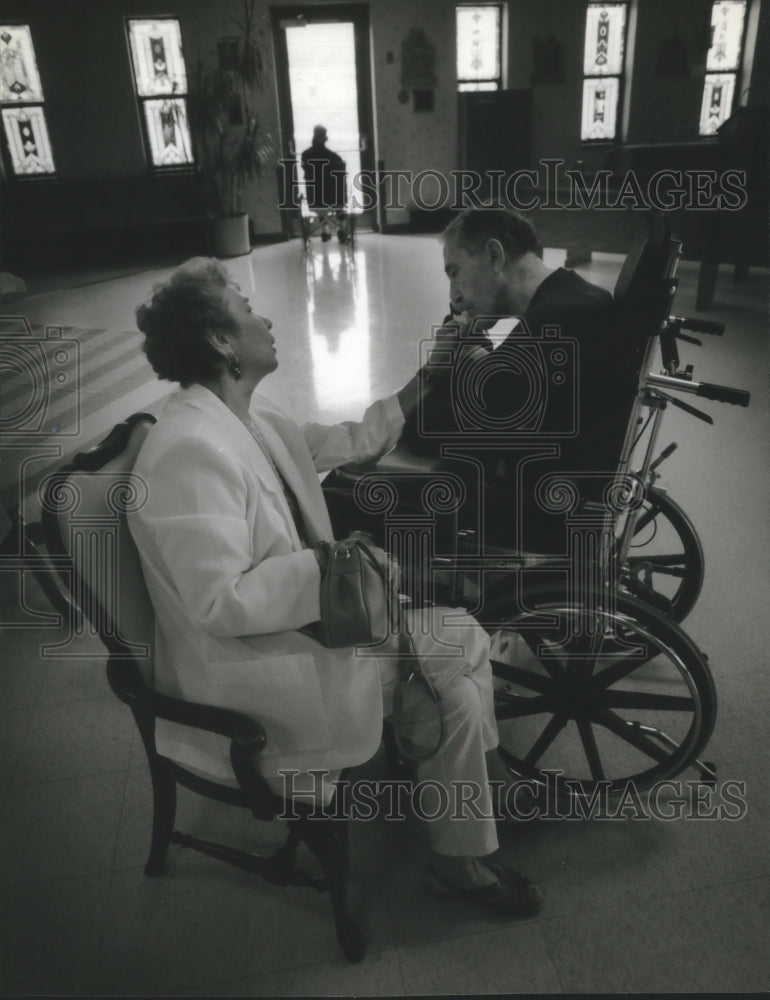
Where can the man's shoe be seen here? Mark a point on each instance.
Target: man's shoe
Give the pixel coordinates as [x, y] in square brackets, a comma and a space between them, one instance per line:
[512, 895]
[325, 237]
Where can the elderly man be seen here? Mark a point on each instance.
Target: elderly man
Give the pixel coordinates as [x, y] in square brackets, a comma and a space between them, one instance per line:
[326, 182]
[550, 386]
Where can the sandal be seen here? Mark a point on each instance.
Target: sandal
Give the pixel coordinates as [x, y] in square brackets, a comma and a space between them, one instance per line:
[512, 895]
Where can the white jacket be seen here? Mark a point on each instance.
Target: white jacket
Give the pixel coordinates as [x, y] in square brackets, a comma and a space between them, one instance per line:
[230, 581]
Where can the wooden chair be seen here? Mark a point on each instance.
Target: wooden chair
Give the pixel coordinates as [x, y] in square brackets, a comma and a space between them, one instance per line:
[84, 525]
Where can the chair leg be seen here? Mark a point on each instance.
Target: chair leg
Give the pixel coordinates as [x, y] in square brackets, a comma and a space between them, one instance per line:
[328, 840]
[163, 814]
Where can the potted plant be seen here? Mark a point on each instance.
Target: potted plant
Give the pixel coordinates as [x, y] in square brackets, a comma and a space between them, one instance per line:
[231, 147]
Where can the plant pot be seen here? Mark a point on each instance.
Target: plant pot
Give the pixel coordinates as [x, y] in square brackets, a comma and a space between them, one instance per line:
[230, 236]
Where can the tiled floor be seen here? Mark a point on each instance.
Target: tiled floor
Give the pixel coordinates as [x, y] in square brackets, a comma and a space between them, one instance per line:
[630, 905]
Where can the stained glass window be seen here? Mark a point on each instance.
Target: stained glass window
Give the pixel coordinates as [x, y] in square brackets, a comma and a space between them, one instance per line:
[21, 102]
[167, 132]
[156, 47]
[726, 35]
[600, 108]
[479, 37]
[603, 55]
[479, 85]
[160, 76]
[723, 63]
[605, 37]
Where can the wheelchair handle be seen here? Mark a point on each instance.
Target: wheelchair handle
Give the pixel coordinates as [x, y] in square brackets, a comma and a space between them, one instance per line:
[707, 390]
[698, 325]
[723, 393]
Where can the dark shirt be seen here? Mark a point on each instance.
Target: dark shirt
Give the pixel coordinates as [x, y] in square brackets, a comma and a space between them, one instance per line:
[552, 399]
[324, 172]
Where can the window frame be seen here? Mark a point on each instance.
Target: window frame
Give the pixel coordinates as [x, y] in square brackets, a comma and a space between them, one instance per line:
[143, 99]
[36, 103]
[465, 84]
[620, 77]
[736, 74]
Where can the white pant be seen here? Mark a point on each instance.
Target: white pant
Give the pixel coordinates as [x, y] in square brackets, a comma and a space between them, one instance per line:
[462, 677]
[454, 655]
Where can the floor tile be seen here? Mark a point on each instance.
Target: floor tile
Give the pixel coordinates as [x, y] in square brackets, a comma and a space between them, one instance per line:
[184, 929]
[13, 728]
[602, 863]
[377, 975]
[59, 829]
[707, 941]
[238, 988]
[76, 739]
[52, 936]
[83, 678]
[22, 674]
[195, 815]
[513, 959]
[287, 927]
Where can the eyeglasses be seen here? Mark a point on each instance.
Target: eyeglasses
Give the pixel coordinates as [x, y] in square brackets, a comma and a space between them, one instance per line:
[418, 724]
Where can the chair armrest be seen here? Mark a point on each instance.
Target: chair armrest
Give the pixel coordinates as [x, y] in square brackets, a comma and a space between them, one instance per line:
[127, 683]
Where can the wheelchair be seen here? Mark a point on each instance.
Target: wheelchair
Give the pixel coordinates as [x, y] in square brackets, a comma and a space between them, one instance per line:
[597, 686]
[321, 221]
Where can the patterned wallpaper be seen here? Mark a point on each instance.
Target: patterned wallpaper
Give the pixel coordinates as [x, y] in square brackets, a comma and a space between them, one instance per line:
[407, 139]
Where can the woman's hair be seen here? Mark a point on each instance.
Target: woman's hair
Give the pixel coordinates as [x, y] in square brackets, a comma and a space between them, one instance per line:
[474, 227]
[180, 314]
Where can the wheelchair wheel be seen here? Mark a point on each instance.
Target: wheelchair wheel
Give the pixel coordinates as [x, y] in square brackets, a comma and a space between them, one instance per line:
[665, 564]
[352, 230]
[306, 231]
[634, 704]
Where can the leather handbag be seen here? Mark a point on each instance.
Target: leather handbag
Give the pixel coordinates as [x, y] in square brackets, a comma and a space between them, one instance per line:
[360, 606]
[359, 594]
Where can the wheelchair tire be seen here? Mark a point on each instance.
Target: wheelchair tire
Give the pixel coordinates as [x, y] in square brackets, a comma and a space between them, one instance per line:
[665, 565]
[639, 711]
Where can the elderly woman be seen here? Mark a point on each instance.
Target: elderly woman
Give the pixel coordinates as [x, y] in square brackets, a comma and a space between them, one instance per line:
[225, 539]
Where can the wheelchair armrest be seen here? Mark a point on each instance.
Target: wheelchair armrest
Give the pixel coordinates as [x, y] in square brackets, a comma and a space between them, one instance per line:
[127, 683]
[396, 462]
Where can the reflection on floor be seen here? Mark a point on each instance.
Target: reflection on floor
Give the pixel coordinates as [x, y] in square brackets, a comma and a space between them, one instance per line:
[631, 906]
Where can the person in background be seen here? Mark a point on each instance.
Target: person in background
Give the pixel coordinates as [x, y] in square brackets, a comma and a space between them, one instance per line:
[326, 183]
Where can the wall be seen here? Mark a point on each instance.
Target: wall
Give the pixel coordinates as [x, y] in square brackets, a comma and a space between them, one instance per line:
[406, 139]
[555, 106]
[93, 116]
[667, 109]
[663, 109]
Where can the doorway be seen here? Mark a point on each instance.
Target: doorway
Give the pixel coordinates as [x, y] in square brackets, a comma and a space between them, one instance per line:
[324, 78]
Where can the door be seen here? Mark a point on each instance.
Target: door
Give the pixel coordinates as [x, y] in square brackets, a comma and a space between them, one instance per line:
[323, 68]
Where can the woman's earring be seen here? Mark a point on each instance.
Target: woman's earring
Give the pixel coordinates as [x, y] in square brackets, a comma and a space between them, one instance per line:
[234, 366]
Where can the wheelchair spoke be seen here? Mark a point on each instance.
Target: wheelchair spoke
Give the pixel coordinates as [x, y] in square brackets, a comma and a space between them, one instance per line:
[622, 668]
[537, 641]
[645, 518]
[591, 750]
[524, 678]
[626, 731]
[662, 563]
[650, 702]
[545, 739]
[665, 565]
[514, 706]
